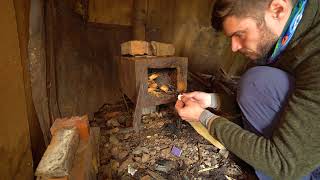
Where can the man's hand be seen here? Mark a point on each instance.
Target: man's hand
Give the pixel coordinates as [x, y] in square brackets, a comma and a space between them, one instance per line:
[189, 109]
[202, 98]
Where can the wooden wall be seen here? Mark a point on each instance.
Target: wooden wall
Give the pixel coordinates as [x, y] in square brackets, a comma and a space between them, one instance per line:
[85, 62]
[185, 23]
[15, 146]
[22, 11]
[85, 48]
[118, 12]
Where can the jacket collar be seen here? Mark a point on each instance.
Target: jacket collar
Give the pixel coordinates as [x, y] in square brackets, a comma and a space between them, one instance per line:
[308, 20]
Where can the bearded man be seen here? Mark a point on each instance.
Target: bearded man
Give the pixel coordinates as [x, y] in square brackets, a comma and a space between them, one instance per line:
[280, 97]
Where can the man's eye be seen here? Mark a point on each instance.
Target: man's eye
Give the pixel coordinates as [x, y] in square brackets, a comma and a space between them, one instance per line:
[241, 35]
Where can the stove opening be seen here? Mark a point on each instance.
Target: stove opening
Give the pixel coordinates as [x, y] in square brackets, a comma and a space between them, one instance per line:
[162, 82]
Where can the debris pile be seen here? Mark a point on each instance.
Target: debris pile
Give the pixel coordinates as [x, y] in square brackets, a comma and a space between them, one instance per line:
[160, 151]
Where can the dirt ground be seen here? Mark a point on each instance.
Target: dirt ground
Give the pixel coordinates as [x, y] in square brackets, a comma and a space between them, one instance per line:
[125, 154]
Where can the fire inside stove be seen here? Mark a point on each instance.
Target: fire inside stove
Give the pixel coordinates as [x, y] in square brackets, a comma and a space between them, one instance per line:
[162, 82]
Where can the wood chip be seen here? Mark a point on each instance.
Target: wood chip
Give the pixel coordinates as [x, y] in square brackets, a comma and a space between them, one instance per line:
[153, 76]
[164, 88]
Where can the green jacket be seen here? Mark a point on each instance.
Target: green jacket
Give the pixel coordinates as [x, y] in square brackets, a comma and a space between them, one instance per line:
[294, 149]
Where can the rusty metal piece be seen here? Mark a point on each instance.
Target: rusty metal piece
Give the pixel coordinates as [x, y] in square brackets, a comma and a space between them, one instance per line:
[138, 110]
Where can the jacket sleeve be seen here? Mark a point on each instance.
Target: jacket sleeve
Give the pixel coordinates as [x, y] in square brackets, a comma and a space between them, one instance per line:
[294, 149]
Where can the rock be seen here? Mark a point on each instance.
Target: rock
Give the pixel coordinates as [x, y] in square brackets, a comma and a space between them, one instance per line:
[224, 153]
[184, 146]
[189, 161]
[234, 170]
[123, 154]
[113, 140]
[125, 164]
[155, 175]
[145, 150]
[115, 151]
[208, 163]
[147, 177]
[214, 162]
[113, 131]
[114, 165]
[165, 165]
[132, 170]
[137, 159]
[113, 123]
[126, 136]
[165, 152]
[111, 115]
[145, 158]
[106, 145]
[137, 151]
[152, 153]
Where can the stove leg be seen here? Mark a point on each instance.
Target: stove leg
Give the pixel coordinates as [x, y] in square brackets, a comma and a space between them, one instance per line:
[138, 110]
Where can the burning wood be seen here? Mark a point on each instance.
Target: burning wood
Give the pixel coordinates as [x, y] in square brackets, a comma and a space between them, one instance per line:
[160, 84]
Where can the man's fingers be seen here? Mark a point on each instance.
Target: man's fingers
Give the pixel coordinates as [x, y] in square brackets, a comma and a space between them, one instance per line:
[191, 94]
[179, 105]
[187, 99]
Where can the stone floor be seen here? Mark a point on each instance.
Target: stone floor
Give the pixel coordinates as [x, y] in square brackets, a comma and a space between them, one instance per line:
[125, 154]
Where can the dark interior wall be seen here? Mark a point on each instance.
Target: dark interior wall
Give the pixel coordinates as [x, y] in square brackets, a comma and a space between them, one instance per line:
[15, 146]
[86, 63]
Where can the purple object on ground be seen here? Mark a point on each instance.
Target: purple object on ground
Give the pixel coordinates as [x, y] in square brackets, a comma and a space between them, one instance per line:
[176, 151]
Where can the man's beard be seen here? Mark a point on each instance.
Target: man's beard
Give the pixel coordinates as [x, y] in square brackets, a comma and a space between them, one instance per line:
[266, 45]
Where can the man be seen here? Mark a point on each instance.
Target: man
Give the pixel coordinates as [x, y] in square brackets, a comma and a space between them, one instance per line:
[280, 99]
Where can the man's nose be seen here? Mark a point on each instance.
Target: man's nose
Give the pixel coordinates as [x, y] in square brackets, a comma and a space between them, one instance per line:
[235, 44]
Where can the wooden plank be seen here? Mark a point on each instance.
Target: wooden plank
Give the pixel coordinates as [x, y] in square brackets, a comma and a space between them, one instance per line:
[111, 12]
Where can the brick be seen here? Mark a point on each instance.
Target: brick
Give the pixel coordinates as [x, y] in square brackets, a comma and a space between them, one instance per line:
[81, 123]
[58, 158]
[63, 178]
[162, 49]
[135, 48]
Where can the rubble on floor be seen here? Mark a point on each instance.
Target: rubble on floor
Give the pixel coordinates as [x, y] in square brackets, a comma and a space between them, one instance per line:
[160, 151]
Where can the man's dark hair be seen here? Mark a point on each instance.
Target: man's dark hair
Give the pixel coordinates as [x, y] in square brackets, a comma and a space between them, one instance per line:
[240, 8]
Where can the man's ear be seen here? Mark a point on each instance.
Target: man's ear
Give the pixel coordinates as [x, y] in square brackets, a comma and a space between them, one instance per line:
[279, 9]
